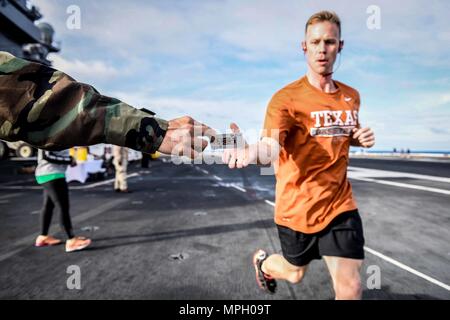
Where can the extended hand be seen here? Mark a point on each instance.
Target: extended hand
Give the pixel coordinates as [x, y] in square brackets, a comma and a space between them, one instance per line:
[183, 137]
[239, 157]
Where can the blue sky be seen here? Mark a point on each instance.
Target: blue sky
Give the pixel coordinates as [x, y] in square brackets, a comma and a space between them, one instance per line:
[221, 61]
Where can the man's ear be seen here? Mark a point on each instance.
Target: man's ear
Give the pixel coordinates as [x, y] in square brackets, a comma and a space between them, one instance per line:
[341, 46]
[304, 46]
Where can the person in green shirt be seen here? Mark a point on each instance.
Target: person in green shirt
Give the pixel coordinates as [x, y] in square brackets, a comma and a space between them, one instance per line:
[50, 174]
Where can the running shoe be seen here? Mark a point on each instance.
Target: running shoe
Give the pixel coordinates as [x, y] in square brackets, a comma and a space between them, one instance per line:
[45, 241]
[265, 282]
[77, 243]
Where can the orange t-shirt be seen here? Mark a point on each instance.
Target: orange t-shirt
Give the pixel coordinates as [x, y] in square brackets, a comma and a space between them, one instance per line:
[314, 133]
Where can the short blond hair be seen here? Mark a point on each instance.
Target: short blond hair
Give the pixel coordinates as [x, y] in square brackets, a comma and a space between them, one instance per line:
[324, 16]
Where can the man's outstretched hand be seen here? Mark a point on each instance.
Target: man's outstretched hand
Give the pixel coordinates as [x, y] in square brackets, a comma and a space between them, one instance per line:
[239, 157]
[183, 137]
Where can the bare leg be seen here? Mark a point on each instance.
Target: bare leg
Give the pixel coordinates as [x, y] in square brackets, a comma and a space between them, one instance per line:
[345, 274]
[278, 267]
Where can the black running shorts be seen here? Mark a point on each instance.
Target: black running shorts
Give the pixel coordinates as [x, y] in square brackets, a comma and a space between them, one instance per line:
[343, 237]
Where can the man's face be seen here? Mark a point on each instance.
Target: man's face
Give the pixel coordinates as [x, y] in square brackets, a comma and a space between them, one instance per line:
[322, 43]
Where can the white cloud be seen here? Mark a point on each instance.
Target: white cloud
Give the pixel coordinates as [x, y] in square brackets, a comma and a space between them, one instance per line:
[429, 100]
[419, 121]
[252, 30]
[444, 98]
[261, 27]
[85, 71]
[218, 60]
[218, 114]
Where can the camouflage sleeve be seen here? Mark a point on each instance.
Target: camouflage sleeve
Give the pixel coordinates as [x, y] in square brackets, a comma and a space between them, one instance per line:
[50, 110]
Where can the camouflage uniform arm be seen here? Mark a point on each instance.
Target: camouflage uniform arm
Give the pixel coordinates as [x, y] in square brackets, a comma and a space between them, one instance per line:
[50, 110]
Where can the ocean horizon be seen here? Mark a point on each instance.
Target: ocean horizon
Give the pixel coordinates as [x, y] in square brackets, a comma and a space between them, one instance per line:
[400, 151]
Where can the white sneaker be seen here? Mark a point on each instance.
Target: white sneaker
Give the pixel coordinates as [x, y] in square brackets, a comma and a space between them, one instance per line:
[77, 243]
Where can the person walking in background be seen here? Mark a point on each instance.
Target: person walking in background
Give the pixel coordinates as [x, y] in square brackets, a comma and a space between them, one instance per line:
[108, 158]
[50, 173]
[120, 163]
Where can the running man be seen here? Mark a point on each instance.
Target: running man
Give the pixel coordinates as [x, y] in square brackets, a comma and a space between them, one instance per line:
[308, 129]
